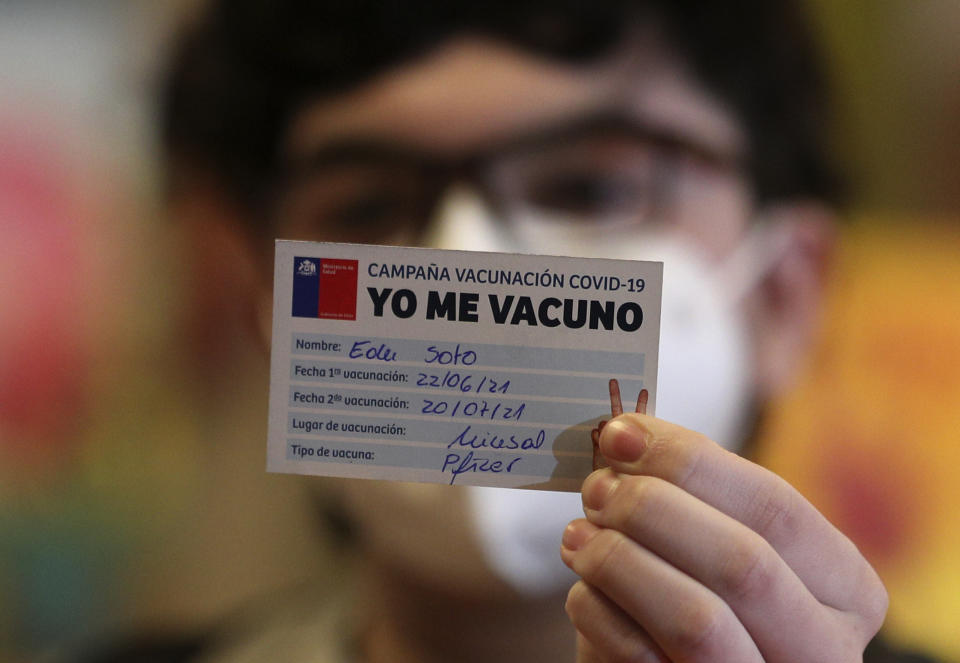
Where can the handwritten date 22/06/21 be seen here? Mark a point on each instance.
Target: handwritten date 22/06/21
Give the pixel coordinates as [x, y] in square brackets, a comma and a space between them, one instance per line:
[464, 382]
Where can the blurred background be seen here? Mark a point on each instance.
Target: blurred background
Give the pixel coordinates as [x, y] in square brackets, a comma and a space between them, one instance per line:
[122, 507]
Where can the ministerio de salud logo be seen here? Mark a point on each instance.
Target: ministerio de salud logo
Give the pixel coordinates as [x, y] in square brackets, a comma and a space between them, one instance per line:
[325, 288]
[307, 267]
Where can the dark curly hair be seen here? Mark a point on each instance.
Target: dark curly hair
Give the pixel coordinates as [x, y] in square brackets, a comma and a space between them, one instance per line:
[240, 74]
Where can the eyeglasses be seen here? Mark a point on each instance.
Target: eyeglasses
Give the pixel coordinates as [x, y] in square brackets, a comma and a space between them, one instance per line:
[598, 171]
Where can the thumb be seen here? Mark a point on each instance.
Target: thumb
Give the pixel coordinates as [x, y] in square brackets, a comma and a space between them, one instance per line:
[625, 439]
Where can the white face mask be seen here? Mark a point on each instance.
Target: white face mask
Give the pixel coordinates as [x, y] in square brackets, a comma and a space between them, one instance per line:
[704, 381]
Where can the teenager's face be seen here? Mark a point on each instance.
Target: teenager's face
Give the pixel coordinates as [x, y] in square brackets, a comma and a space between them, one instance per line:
[563, 159]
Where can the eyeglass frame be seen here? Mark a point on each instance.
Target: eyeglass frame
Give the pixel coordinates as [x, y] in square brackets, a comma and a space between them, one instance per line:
[474, 169]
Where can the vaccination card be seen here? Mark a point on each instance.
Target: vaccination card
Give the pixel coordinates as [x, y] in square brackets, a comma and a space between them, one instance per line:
[454, 367]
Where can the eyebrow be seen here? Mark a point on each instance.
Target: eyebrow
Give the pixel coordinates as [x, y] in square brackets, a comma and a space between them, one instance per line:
[661, 137]
[361, 150]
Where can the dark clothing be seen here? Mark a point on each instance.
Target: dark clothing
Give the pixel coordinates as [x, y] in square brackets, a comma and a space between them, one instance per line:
[189, 649]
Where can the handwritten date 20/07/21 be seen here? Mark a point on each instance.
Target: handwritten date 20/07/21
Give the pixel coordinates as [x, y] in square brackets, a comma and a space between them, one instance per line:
[480, 409]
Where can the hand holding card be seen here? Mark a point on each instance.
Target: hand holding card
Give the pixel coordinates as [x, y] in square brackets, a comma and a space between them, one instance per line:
[689, 552]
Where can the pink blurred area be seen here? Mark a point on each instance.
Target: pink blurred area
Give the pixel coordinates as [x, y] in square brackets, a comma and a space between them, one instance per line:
[67, 223]
[44, 355]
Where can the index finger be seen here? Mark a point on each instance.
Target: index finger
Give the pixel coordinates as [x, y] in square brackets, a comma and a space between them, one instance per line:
[616, 405]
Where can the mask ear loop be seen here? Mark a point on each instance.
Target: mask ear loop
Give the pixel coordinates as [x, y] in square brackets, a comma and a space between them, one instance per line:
[761, 249]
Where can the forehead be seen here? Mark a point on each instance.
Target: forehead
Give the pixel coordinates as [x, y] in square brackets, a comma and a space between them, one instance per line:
[473, 91]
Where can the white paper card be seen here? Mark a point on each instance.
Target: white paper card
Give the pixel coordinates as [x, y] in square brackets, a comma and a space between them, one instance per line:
[453, 367]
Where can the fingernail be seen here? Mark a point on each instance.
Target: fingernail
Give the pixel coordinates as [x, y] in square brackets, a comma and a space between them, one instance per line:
[577, 533]
[623, 440]
[597, 489]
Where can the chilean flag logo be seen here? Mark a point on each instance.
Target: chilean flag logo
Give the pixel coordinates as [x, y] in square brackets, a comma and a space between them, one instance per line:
[325, 288]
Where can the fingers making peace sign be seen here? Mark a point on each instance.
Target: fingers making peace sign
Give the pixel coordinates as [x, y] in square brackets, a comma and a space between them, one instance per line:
[616, 409]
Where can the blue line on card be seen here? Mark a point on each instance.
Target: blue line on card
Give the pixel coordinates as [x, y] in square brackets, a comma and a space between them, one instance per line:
[306, 287]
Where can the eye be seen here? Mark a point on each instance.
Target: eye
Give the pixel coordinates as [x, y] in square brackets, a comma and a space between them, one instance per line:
[593, 194]
[370, 210]
[598, 177]
[354, 204]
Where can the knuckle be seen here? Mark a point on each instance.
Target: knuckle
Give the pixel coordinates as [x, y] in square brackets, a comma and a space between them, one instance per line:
[604, 554]
[636, 498]
[777, 512]
[698, 630]
[748, 570]
[677, 455]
